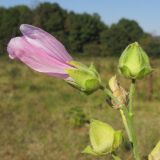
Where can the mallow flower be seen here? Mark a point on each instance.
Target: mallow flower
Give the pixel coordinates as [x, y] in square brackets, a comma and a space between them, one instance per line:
[44, 53]
[134, 62]
[104, 139]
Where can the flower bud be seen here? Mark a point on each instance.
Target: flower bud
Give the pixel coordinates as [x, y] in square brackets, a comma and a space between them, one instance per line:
[155, 154]
[134, 62]
[118, 92]
[83, 78]
[104, 139]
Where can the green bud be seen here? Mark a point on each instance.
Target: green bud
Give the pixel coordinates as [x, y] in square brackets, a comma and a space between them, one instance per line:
[134, 62]
[84, 78]
[155, 154]
[104, 139]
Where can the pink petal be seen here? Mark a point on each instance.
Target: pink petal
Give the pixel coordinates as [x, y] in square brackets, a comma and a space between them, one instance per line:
[42, 39]
[36, 58]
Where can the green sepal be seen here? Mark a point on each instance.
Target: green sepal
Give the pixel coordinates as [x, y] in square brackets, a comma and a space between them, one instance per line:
[117, 139]
[125, 71]
[89, 150]
[115, 157]
[145, 71]
[79, 76]
[91, 85]
[101, 137]
[81, 66]
[74, 85]
[78, 65]
[84, 78]
[93, 69]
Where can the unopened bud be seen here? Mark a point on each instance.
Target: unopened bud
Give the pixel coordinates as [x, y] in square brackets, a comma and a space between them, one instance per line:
[134, 62]
[104, 139]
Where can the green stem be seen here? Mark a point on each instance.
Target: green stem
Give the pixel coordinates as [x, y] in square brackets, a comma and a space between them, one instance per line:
[125, 122]
[130, 122]
[134, 139]
[127, 117]
[123, 112]
[131, 95]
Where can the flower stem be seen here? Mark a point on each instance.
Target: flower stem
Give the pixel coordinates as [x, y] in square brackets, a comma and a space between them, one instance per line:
[127, 117]
[123, 112]
[131, 123]
[125, 122]
[131, 95]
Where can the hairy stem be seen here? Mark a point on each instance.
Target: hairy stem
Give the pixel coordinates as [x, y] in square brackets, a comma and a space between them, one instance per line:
[125, 122]
[127, 117]
[131, 95]
[131, 123]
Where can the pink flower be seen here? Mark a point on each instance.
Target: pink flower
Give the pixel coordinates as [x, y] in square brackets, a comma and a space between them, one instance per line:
[40, 51]
[44, 53]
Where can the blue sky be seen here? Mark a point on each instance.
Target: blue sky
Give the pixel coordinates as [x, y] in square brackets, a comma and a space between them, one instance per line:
[146, 12]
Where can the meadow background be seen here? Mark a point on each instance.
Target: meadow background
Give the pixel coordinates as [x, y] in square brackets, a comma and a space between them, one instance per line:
[43, 118]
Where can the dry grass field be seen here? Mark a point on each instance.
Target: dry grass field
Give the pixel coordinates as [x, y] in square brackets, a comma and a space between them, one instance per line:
[43, 118]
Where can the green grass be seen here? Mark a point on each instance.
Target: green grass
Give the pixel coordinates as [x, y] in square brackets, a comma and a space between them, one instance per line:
[33, 109]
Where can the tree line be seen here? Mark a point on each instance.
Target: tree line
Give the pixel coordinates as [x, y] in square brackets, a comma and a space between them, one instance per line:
[81, 33]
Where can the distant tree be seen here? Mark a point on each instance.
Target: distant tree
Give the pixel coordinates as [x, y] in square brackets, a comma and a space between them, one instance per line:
[51, 17]
[83, 29]
[2, 43]
[151, 45]
[134, 31]
[73, 31]
[10, 20]
[80, 33]
[9, 25]
[25, 14]
[118, 36]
